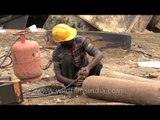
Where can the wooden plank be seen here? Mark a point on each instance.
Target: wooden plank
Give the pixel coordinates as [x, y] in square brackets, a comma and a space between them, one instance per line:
[133, 23]
[118, 23]
[90, 20]
[142, 23]
[109, 23]
[158, 25]
[153, 22]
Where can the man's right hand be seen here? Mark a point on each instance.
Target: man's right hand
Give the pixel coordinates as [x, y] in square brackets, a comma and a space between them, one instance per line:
[80, 77]
[85, 71]
[79, 82]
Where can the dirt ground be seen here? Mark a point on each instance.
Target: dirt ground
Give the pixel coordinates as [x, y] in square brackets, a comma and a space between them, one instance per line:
[145, 47]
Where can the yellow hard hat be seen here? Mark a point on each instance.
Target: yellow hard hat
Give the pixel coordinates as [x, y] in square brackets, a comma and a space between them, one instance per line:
[63, 33]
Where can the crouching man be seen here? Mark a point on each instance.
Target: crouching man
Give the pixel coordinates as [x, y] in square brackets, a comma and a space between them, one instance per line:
[70, 56]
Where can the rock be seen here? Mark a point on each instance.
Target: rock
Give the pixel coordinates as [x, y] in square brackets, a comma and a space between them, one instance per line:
[135, 65]
[47, 76]
[149, 75]
[58, 100]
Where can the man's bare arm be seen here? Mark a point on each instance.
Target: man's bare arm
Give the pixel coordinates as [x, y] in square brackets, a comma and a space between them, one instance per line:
[63, 79]
[96, 59]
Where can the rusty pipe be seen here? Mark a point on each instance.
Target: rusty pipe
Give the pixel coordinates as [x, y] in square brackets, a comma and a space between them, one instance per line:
[115, 74]
[122, 90]
[48, 47]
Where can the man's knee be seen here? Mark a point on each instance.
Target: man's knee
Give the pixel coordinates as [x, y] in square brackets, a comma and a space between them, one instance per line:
[96, 70]
[99, 66]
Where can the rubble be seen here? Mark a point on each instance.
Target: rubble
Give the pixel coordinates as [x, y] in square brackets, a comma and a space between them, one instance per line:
[108, 23]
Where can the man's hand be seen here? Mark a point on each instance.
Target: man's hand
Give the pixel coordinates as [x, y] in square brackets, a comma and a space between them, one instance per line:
[79, 82]
[81, 76]
[85, 70]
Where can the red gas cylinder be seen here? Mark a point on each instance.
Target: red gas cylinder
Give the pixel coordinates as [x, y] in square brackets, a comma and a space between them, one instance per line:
[26, 59]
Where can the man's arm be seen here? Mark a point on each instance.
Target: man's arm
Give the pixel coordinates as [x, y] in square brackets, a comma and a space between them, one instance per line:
[96, 59]
[92, 51]
[64, 80]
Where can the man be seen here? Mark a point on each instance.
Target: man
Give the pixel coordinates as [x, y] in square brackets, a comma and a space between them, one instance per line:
[70, 55]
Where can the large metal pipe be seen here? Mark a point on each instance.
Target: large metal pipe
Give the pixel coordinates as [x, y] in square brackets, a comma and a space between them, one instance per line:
[114, 74]
[122, 90]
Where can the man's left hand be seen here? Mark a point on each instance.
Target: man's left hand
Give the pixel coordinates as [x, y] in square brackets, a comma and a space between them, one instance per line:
[85, 70]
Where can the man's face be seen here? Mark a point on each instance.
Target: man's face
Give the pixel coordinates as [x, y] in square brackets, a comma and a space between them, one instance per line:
[68, 43]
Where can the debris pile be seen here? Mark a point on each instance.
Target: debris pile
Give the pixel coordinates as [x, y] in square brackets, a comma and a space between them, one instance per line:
[108, 23]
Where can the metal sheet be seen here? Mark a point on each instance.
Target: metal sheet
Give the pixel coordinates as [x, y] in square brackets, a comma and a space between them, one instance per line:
[101, 39]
